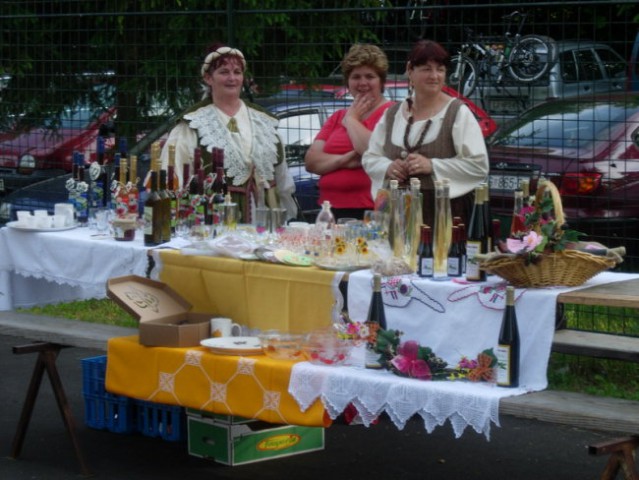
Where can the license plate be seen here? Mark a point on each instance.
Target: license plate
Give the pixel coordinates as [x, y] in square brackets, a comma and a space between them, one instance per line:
[504, 106]
[505, 182]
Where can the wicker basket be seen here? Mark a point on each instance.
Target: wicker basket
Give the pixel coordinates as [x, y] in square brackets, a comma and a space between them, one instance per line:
[567, 268]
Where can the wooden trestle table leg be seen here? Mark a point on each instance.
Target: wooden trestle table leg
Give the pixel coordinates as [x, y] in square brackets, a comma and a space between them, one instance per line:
[47, 355]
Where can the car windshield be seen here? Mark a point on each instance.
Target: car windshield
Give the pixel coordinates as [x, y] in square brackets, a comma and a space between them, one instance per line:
[72, 119]
[562, 126]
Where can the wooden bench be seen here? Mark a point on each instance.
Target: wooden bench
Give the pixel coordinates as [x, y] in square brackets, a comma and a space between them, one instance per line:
[590, 411]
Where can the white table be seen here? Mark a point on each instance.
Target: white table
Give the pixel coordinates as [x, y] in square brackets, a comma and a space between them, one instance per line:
[455, 319]
[38, 268]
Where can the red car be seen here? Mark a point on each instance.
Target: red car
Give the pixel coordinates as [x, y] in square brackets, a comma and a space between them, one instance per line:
[588, 147]
[43, 152]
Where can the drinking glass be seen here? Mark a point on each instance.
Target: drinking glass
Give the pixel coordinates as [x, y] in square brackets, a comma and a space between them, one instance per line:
[278, 220]
[262, 218]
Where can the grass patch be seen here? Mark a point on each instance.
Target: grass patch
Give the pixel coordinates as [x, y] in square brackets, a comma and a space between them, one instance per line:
[104, 311]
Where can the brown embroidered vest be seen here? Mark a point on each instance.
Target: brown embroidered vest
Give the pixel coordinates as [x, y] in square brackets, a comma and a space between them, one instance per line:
[442, 147]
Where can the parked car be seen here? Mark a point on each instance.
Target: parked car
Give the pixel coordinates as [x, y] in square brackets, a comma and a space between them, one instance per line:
[588, 147]
[300, 121]
[583, 68]
[31, 155]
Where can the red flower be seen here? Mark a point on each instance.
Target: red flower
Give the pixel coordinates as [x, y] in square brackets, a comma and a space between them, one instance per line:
[407, 361]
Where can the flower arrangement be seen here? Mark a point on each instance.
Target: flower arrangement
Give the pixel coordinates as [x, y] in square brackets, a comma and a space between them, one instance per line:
[542, 232]
[410, 359]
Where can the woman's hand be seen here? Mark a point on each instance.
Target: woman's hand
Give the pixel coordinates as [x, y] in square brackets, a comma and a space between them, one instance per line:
[358, 109]
[418, 164]
[398, 170]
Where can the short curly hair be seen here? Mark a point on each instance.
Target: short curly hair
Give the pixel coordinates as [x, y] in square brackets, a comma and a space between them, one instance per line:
[365, 55]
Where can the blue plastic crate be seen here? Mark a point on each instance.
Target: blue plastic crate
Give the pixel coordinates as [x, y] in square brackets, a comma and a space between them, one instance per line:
[93, 375]
[114, 413]
[158, 420]
[103, 410]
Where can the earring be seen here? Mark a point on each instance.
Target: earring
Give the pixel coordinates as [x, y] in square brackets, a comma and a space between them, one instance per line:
[411, 89]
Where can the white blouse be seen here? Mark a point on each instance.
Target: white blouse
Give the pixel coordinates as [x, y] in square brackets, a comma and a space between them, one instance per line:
[465, 170]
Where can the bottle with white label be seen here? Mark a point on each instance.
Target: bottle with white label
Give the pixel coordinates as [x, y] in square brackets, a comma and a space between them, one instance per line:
[507, 351]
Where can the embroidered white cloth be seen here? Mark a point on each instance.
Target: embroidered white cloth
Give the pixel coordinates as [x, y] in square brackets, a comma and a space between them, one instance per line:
[46, 267]
[458, 318]
[373, 392]
[455, 320]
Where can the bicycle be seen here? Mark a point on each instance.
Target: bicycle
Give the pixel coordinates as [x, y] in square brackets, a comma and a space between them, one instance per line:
[524, 58]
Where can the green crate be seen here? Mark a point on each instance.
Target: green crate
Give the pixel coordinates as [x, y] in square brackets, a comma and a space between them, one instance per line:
[249, 443]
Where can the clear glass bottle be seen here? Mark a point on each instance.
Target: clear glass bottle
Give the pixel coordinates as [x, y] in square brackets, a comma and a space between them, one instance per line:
[397, 220]
[325, 218]
[443, 229]
[414, 222]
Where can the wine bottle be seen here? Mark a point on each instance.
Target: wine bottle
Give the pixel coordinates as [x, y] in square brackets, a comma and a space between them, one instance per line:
[525, 190]
[496, 234]
[165, 205]
[132, 185]
[170, 187]
[220, 188]
[184, 204]
[485, 205]
[476, 241]
[507, 352]
[376, 313]
[202, 202]
[121, 193]
[153, 214]
[454, 255]
[461, 227]
[103, 189]
[517, 221]
[425, 253]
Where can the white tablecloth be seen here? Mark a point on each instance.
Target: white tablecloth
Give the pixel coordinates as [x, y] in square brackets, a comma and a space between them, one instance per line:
[455, 319]
[37, 268]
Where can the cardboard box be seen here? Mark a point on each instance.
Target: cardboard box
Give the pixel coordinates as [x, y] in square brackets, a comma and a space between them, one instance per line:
[165, 319]
[238, 444]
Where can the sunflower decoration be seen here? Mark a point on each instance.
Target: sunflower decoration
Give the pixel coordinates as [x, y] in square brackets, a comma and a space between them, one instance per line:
[340, 246]
[362, 246]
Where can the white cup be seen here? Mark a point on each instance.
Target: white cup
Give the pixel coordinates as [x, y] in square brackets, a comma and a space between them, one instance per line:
[65, 209]
[224, 327]
[42, 221]
[40, 213]
[59, 221]
[25, 219]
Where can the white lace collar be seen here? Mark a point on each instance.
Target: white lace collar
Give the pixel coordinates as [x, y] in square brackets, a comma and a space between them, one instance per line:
[213, 133]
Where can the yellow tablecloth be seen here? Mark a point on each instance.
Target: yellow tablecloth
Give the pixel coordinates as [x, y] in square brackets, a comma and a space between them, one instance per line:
[251, 387]
[256, 294]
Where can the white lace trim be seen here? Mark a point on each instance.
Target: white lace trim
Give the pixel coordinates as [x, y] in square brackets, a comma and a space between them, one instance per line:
[212, 133]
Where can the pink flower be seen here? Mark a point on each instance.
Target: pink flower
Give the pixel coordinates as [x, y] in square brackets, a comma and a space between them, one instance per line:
[526, 244]
[407, 362]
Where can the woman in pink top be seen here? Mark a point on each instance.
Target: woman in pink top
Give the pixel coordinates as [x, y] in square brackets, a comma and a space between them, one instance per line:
[336, 152]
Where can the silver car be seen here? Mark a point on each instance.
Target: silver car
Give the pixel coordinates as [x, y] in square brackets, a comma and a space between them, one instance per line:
[582, 68]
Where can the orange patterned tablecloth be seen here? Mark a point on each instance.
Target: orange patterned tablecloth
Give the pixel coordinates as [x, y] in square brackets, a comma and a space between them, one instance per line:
[251, 387]
[257, 294]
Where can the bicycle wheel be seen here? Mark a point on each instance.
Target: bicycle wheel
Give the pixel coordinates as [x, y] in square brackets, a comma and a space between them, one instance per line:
[463, 75]
[531, 58]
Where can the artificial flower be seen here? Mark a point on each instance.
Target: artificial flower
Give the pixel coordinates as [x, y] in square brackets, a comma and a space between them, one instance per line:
[526, 244]
[407, 361]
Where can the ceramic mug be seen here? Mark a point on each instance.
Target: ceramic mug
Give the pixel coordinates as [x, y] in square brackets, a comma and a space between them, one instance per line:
[224, 327]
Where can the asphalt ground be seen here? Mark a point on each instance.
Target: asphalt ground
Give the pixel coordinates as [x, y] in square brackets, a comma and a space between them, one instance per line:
[518, 449]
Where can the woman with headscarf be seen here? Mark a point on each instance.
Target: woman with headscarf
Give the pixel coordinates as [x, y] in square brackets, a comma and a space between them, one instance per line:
[254, 162]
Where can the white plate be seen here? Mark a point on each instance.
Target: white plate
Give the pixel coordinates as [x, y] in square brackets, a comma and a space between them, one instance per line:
[16, 225]
[233, 345]
[341, 267]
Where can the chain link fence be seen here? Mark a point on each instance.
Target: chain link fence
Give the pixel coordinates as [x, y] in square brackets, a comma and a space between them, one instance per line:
[137, 63]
